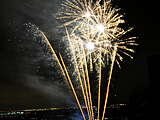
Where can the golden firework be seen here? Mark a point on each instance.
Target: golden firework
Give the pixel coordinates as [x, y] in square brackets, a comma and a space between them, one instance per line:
[96, 27]
[96, 38]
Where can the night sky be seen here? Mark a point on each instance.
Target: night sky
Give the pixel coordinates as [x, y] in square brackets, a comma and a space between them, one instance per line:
[26, 78]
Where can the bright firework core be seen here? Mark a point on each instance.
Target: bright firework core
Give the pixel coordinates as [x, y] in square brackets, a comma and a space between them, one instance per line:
[87, 14]
[100, 28]
[90, 46]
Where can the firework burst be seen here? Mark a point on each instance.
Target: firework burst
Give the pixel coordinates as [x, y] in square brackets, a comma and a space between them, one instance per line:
[93, 28]
[96, 38]
[96, 27]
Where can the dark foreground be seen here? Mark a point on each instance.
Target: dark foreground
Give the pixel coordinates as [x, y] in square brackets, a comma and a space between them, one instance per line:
[114, 112]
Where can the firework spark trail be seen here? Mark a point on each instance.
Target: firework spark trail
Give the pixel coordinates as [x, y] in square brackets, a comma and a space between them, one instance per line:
[38, 33]
[87, 92]
[90, 62]
[83, 71]
[84, 68]
[72, 87]
[85, 77]
[99, 85]
[78, 50]
[64, 71]
[52, 51]
[109, 80]
[88, 85]
[80, 79]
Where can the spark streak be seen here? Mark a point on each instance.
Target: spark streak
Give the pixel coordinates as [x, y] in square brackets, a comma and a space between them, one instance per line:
[72, 87]
[99, 85]
[64, 71]
[109, 81]
[85, 95]
[89, 89]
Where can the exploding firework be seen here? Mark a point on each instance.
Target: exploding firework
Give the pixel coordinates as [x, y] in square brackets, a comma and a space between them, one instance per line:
[93, 28]
[96, 39]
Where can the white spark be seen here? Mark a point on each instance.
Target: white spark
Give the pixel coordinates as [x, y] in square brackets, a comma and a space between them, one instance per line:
[87, 15]
[100, 28]
[90, 46]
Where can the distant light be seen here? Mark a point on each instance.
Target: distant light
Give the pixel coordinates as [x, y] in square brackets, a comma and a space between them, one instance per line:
[100, 28]
[90, 46]
[87, 15]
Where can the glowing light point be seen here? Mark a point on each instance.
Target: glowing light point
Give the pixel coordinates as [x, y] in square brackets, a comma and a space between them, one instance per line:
[87, 15]
[90, 46]
[100, 28]
[108, 45]
[115, 47]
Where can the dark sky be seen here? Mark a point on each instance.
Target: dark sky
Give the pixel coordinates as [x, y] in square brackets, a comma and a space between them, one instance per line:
[26, 78]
